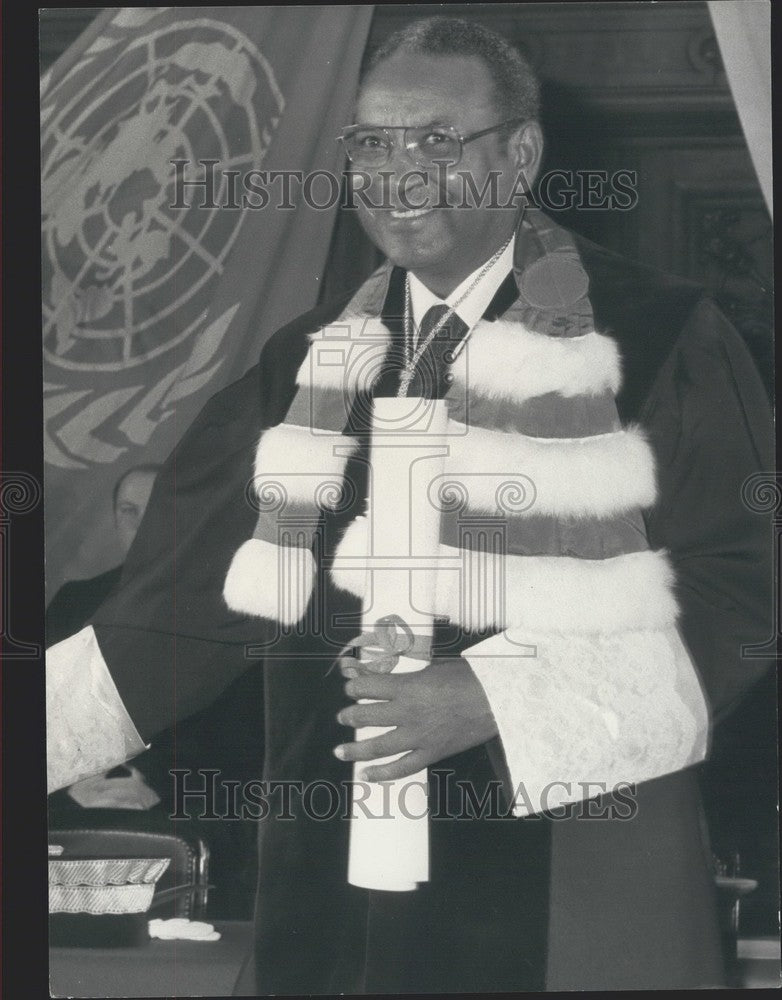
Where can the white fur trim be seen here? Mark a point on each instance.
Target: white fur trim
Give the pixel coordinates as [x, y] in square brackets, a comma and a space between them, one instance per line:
[503, 360]
[594, 476]
[270, 581]
[352, 546]
[301, 464]
[542, 593]
[346, 355]
[558, 593]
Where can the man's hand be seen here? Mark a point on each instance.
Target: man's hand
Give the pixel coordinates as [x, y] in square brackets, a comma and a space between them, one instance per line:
[438, 711]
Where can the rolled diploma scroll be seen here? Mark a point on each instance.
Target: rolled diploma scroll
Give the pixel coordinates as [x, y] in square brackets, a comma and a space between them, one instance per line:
[389, 826]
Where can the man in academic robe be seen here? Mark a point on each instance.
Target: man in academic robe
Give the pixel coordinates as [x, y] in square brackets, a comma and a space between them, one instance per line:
[631, 406]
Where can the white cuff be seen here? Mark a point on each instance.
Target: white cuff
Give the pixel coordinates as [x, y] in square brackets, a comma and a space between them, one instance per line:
[580, 715]
[87, 726]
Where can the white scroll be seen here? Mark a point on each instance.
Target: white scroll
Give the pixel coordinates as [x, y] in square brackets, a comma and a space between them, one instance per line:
[389, 826]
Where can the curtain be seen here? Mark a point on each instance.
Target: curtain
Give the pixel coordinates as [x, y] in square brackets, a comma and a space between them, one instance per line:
[743, 29]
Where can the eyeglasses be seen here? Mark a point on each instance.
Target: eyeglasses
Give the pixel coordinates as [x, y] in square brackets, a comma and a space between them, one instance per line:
[427, 145]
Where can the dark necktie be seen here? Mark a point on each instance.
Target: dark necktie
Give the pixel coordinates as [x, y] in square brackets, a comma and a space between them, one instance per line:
[432, 376]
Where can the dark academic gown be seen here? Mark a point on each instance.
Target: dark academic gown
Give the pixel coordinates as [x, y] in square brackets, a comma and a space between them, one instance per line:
[76, 602]
[518, 904]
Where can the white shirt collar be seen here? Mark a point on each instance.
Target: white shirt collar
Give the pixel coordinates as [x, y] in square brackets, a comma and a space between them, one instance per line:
[476, 303]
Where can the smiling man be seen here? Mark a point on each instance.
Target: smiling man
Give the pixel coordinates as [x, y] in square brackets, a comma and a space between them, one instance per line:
[441, 245]
[608, 574]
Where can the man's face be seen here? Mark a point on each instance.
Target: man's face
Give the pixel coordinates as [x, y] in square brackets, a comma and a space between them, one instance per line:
[132, 499]
[440, 245]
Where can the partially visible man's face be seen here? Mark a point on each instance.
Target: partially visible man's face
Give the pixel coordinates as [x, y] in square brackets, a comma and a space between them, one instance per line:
[132, 499]
[440, 245]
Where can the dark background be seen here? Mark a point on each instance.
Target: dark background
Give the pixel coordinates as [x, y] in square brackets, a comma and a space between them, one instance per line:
[640, 87]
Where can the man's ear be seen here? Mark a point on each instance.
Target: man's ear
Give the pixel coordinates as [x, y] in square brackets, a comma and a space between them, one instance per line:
[525, 147]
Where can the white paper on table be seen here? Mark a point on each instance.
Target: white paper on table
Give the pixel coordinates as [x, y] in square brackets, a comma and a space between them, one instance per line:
[389, 826]
[182, 929]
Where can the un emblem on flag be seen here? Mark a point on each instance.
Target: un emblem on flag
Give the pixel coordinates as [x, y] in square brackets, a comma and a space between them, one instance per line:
[127, 279]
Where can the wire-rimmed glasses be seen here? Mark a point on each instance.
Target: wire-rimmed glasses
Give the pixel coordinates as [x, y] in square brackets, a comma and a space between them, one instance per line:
[427, 145]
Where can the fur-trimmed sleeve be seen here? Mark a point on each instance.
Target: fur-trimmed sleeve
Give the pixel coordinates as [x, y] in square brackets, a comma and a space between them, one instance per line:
[629, 706]
[88, 728]
[582, 714]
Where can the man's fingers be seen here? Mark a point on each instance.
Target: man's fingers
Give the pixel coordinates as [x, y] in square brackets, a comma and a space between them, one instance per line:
[379, 713]
[348, 666]
[411, 763]
[372, 686]
[371, 749]
[346, 661]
